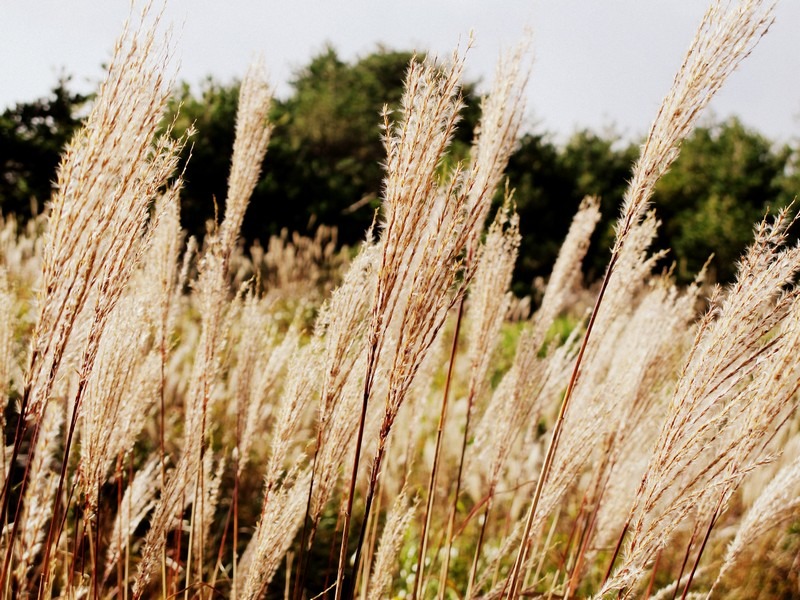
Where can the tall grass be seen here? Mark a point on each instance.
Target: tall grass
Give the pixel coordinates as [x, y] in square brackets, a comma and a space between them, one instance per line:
[299, 421]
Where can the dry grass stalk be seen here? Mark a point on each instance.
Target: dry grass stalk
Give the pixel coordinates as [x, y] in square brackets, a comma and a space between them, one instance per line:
[301, 387]
[260, 361]
[250, 146]
[418, 244]
[138, 500]
[279, 522]
[517, 403]
[341, 325]
[671, 590]
[527, 388]
[725, 37]
[253, 131]
[598, 394]
[636, 391]
[779, 499]
[489, 302]
[489, 297]
[588, 408]
[110, 174]
[386, 558]
[459, 211]
[207, 505]
[164, 519]
[732, 378]
[727, 34]
[567, 276]
[129, 363]
[637, 387]
[496, 135]
[495, 139]
[529, 377]
[40, 496]
[106, 181]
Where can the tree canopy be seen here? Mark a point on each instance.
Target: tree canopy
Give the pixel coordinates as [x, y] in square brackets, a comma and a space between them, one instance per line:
[725, 179]
[32, 136]
[324, 166]
[325, 154]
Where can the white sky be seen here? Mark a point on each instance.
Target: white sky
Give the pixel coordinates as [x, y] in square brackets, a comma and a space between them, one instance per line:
[598, 64]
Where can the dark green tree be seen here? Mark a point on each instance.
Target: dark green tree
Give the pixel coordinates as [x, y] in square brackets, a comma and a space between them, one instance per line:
[325, 155]
[32, 137]
[545, 201]
[213, 114]
[599, 166]
[550, 182]
[324, 162]
[723, 182]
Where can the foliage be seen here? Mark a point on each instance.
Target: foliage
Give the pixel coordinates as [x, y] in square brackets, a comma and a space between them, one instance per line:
[212, 113]
[325, 168]
[32, 137]
[724, 180]
[325, 152]
[549, 183]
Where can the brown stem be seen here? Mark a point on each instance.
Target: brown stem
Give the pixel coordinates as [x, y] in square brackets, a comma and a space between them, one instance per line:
[685, 562]
[362, 581]
[19, 433]
[331, 557]
[585, 537]
[128, 537]
[559, 424]
[373, 486]
[62, 478]
[454, 508]
[473, 572]
[306, 537]
[120, 496]
[617, 548]
[95, 555]
[235, 542]
[419, 578]
[597, 492]
[76, 556]
[161, 434]
[652, 583]
[371, 359]
[702, 548]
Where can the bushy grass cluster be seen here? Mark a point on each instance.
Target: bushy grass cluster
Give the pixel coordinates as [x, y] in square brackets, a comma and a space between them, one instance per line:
[302, 421]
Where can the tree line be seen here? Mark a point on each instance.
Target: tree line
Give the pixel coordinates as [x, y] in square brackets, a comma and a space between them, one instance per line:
[324, 167]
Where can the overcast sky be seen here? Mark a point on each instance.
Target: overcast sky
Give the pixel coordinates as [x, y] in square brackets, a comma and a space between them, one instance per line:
[599, 64]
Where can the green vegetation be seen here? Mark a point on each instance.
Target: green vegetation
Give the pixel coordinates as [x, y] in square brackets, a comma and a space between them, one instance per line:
[32, 137]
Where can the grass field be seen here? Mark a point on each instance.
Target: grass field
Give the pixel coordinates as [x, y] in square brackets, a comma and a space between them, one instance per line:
[301, 420]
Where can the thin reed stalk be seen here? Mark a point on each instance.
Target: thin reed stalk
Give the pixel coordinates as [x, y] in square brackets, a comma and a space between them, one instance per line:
[428, 514]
